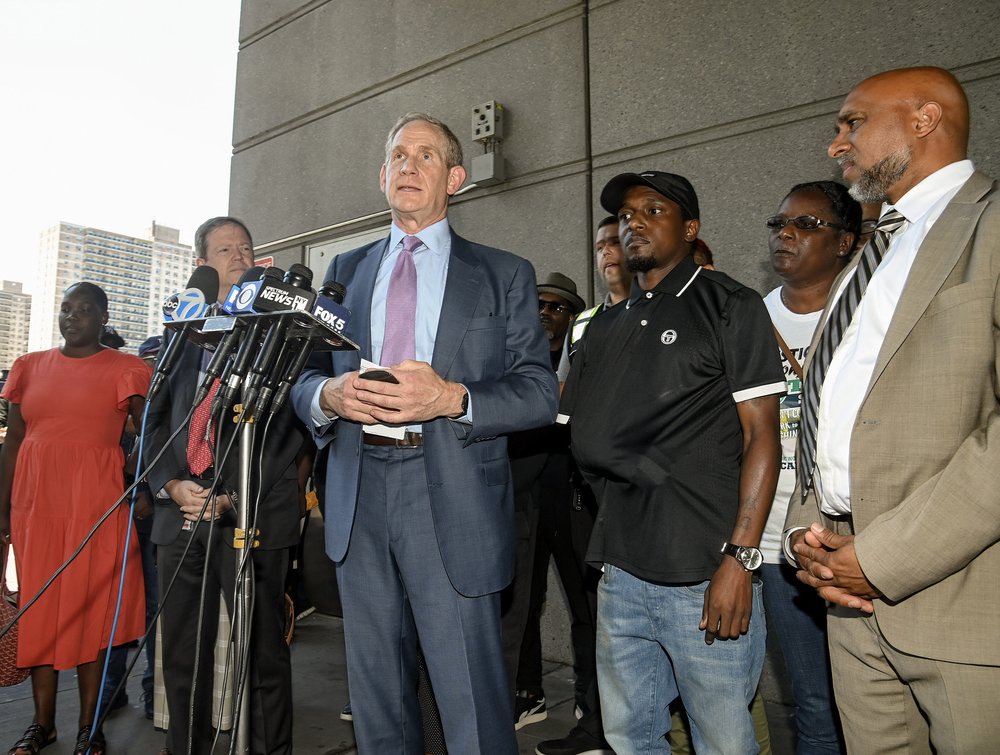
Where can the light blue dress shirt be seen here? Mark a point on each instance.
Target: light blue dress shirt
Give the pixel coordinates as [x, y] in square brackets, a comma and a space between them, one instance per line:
[431, 260]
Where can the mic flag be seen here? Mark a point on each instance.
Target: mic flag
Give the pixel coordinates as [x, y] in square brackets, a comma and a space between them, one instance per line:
[205, 280]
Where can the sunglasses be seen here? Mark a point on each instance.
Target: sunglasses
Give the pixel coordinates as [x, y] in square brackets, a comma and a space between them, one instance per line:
[551, 306]
[802, 222]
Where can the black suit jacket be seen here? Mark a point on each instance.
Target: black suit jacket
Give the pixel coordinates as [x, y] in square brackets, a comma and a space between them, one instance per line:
[274, 471]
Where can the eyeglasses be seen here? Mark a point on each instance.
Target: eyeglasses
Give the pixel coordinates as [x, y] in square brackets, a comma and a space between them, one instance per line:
[551, 306]
[802, 222]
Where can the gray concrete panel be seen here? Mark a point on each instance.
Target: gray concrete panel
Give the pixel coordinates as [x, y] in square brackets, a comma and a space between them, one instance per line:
[669, 67]
[340, 53]
[534, 223]
[326, 170]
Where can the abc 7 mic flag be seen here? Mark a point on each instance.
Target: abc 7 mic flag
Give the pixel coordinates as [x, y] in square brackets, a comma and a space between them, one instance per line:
[188, 304]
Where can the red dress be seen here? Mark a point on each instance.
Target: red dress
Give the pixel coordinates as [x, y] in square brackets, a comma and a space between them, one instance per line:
[68, 473]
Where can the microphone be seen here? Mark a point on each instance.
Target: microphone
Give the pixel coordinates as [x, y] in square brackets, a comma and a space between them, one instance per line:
[230, 340]
[293, 293]
[205, 282]
[241, 362]
[329, 306]
[330, 300]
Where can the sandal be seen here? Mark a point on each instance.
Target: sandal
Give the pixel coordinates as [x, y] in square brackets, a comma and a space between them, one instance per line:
[85, 739]
[36, 738]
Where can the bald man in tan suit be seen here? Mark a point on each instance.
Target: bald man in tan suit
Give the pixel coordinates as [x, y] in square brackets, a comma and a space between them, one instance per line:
[899, 523]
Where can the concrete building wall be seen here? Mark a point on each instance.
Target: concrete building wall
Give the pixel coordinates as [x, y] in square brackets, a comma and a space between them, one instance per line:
[740, 97]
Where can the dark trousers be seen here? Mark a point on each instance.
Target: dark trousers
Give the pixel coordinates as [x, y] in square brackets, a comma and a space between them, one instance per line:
[566, 519]
[394, 589]
[270, 683]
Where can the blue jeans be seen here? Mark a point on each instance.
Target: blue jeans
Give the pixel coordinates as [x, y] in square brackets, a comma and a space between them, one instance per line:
[650, 650]
[798, 616]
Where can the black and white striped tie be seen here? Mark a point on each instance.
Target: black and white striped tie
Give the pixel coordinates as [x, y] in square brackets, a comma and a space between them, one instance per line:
[836, 325]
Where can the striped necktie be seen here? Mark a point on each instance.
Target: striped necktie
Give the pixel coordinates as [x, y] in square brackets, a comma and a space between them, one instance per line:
[836, 325]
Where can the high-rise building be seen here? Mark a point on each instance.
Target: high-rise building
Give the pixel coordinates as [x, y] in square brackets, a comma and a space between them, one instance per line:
[136, 273]
[15, 314]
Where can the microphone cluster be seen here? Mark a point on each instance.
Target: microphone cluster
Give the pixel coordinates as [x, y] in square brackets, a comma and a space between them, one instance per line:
[270, 322]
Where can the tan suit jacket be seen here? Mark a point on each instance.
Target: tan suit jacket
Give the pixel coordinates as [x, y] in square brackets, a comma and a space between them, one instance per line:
[925, 449]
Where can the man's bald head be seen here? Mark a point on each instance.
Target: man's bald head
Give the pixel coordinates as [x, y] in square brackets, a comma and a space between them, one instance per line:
[898, 127]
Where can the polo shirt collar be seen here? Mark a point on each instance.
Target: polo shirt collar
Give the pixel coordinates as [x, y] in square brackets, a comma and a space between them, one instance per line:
[675, 282]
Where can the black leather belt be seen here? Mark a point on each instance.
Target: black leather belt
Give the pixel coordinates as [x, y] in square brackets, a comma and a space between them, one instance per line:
[409, 440]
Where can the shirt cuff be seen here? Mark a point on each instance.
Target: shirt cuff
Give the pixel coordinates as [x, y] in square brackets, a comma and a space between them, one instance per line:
[318, 416]
[786, 545]
[467, 417]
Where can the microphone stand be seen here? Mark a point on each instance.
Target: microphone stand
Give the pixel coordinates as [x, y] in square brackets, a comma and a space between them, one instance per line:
[243, 539]
[207, 333]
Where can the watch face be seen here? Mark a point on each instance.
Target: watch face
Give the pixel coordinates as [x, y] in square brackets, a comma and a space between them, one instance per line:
[751, 558]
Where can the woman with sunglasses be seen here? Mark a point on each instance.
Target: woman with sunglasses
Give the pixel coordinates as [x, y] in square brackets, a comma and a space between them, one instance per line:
[811, 240]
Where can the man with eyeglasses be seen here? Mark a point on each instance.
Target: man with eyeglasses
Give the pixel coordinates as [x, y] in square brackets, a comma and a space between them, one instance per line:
[673, 408]
[898, 521]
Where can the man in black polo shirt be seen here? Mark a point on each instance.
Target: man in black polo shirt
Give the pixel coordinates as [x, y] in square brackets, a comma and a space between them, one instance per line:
[673, 405]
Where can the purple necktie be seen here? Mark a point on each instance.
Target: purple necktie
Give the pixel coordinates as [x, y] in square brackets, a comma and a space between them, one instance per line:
[399, 341]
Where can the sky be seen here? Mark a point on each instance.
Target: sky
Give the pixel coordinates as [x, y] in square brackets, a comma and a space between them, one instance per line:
[113, 114]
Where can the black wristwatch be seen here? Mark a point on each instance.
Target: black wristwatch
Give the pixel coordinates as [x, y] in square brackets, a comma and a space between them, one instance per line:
[750, 558]
[465, 404]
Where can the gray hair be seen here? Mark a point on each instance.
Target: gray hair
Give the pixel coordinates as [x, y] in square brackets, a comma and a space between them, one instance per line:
[453, 148]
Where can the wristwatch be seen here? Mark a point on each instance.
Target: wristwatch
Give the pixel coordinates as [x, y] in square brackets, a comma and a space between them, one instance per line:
[465, 404]
[750, 558]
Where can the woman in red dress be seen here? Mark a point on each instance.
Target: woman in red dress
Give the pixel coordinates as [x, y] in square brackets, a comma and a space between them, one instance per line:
[61, 467]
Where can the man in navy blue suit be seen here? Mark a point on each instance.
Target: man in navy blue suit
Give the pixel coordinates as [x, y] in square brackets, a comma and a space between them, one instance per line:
[421, 525]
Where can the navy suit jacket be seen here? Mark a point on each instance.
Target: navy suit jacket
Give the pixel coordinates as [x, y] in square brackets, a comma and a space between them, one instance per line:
[489, 339]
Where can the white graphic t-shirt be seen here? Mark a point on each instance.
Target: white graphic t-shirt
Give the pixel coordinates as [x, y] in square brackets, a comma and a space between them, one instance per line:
[797, 330]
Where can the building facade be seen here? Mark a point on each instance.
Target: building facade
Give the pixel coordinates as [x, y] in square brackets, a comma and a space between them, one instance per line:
[739, 97]
[15, 314]
[135, 273]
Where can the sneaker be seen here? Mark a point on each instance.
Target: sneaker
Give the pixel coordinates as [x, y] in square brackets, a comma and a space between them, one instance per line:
[528, 709]
[577, 742]
[346, 714]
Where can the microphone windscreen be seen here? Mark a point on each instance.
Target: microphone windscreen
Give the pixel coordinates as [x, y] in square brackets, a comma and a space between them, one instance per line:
[206, 280]
[255, 273]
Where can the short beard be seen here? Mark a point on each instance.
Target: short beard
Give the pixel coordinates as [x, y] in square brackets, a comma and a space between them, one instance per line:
[637, 264]
[874, 183]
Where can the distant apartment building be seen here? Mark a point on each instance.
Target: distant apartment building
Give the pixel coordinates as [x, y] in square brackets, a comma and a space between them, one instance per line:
[136, 273]
[15, 315]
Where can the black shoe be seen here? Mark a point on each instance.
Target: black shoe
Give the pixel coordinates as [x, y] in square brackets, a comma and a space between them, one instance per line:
[346, 714]
[577, 742]
[147, 703]
[528, 709]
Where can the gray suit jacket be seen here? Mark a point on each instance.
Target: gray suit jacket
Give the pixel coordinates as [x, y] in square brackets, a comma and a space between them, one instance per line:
[490, 339]
[925, 450]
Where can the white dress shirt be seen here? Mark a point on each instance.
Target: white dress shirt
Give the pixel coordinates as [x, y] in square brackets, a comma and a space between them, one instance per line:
[850, 371]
